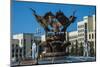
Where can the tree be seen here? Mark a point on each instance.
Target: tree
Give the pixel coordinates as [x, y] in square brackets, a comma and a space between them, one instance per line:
[91, 49]
[76, 48]
[81, 49]
[72, 50]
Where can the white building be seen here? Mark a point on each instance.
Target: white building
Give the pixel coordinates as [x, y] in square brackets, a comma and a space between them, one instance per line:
[92, 33]
[15, 51]
[73, 36]
[81, 31]
[25, 42]
[86, 32]
[73, 39]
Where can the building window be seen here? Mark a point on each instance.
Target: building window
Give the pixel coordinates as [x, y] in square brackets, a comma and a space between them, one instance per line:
[12, 45]
[81, 26]
[17, 50]
[92, 36]
[82, 34]
[13, 50]
[16, 55]
[16, 45]
[81, 30]
[12, 55]
[20, 55]
[85, 25]
[24, 50]
[89, 36]
[20, 50]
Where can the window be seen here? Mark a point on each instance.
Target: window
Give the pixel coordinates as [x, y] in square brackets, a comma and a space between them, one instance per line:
[24, 50]
[85, 25]
[16, 45]
[81, 34]
[89, 36]
[12, 54]
[92, 36]
[13, 50]
[17, 50]
[16, 55]
[81, 30]
[81, 26]
[12, 45]
[20, 50]
[20, 55]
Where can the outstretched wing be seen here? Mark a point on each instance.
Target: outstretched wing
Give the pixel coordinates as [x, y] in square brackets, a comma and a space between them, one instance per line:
[40, 20]
[34, 12]
[72, 18]
[68, 21]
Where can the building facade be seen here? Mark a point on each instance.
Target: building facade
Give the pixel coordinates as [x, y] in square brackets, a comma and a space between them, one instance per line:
[15, 50]
[92, 35]
[25, 43]
[74, 43]
[83, 40]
